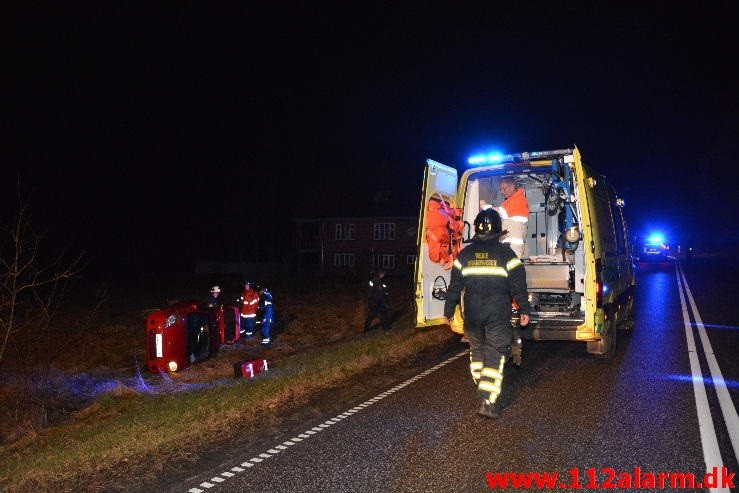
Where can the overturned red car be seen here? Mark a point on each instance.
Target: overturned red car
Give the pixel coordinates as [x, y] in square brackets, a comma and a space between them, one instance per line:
[187, 332]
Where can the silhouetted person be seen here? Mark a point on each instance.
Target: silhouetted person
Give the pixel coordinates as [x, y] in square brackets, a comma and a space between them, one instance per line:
[376, 301]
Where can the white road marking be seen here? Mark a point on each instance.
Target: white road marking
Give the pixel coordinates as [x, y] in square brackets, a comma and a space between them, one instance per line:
[709, 441]
[307, 434]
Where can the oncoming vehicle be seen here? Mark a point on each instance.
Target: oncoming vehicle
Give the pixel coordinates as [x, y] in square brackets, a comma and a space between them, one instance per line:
[653, 247]
[577, 254]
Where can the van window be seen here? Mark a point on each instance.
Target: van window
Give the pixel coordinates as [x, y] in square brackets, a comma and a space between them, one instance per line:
[603, 216]
[618, 223]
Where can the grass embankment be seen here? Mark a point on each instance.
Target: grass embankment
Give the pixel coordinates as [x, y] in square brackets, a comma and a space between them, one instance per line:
[121, 436]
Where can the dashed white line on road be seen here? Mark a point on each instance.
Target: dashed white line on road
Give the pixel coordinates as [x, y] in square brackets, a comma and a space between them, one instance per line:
[308, 433]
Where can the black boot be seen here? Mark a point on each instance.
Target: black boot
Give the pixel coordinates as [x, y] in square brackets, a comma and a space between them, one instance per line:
[516, 351]
[488, 410]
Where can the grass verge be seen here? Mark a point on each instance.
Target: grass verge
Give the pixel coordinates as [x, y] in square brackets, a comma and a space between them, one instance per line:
[126, 433]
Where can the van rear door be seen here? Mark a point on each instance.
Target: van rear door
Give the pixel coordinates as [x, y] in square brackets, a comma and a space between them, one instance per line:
[431, 278]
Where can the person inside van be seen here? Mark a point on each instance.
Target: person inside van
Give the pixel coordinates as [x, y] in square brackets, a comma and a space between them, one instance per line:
[515, 214]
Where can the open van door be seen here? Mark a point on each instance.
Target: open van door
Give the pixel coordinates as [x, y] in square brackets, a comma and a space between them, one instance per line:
[439, 240]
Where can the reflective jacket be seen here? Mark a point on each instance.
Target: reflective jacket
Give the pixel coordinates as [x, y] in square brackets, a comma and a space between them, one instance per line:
[249, 303]
[491, 276]
[515, 207]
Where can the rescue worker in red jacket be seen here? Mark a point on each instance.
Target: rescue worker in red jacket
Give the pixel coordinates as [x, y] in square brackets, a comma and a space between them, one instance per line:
[514, 211]
[491, 276]
[249, 301]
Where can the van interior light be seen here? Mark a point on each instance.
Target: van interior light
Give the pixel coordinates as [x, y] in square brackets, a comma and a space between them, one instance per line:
[572, 234]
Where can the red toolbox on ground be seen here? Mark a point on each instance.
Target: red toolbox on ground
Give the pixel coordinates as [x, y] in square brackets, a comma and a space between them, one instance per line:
[250, 368]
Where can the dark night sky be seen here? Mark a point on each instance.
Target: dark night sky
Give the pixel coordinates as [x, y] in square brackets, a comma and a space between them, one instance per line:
[162, 133]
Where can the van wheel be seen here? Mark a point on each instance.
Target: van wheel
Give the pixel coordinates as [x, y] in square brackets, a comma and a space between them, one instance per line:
[627, 321]
[606, 347]
[612, 341]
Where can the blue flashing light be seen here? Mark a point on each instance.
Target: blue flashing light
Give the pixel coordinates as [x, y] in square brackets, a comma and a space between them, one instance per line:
[656, 238]
[489, 158]
[495, 157]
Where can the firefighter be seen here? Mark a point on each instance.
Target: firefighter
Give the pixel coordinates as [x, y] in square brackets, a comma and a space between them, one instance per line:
[492, 276]
[212, 299]
[265, 301]
[249, 301]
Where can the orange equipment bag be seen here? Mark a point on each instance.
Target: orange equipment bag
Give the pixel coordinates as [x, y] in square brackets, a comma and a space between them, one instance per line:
[444, 226]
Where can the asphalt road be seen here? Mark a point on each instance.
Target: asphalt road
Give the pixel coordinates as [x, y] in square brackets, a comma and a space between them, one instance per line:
[658, 406]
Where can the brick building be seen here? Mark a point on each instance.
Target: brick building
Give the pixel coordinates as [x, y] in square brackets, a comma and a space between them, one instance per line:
[356, 245]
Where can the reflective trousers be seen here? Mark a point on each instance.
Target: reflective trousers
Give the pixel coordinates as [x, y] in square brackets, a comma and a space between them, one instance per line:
[516, 237]
[489, 348]
[264, 328]
[247, 325]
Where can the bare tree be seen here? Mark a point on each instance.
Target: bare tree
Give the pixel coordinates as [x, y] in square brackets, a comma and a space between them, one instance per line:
[33, 290]
[24, 282]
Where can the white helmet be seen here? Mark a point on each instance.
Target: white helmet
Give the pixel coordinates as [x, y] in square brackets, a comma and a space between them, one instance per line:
[215, 289]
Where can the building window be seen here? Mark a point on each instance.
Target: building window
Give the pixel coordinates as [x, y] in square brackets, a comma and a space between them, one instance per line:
[384, 231]
[343, 260]
[345, 232]
[383, 261]
[410, 259]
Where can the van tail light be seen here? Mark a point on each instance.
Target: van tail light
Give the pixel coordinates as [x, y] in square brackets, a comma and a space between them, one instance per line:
[598, 283]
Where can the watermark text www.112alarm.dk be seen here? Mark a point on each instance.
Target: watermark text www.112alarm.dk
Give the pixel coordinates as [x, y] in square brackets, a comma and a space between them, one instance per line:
[606, 477]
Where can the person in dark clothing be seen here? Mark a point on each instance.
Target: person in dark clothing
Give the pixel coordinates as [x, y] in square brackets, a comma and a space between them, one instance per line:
[376, 302]
[266, 309]
[212, 300]
[492, 276]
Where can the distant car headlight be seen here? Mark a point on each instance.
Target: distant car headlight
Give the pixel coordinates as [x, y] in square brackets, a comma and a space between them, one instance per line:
[170, 321]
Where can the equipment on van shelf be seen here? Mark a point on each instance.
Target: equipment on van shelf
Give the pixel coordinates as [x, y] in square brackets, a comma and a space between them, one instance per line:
[444, 229]
[560, 196]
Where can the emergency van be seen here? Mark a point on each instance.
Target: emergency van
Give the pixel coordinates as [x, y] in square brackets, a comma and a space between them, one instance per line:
[577, 255]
